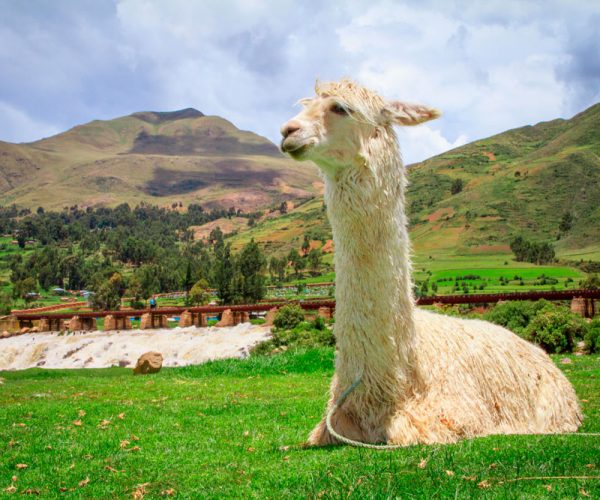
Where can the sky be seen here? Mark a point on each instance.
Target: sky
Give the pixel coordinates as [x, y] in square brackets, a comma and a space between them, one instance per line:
[489, 66]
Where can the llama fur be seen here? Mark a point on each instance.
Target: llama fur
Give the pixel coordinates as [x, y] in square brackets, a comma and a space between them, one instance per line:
[425, 377]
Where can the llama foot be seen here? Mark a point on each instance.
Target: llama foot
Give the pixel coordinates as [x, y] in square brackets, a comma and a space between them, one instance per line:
[342, 424]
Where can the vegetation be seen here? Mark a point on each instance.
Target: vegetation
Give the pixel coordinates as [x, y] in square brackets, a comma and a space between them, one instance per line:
[529, 251]
[556, 329]
[592, 337]
[235, 428]
[288, 317]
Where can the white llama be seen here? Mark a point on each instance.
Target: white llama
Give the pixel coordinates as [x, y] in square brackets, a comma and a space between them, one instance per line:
[415, 376]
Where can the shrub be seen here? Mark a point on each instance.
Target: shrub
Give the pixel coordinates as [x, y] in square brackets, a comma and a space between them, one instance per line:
[515, 315]
[592, 337]
[303, 335]
[555, 329]
[288, 317]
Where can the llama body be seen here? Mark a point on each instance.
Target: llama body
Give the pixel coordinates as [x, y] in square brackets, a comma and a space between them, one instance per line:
[425, 377]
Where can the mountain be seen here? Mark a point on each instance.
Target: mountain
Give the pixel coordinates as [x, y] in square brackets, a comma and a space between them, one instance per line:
[519, 182]
[155, 157]
[522, 181]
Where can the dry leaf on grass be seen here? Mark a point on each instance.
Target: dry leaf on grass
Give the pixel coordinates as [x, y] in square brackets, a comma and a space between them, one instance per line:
[112, 469]
[81, 413]
[134, 437]
[124, 444]
[104, 424]
[14, 479]
[21, 466]
[121, 416]
[133, 448]
[469, 478]
[20, 424]
[49, 447]
[422, 464]
[251, 450]
[548, 487]
[493, 466]
[84, 482]
[246, 433]
[590, 466]
[31, 491]
[284, 448]
[583, 493]
[2, 380]
[78, 423]
[168, 493]
[140, 491]
[484, 484]
[449, 473]
[10, 489]
[12, 443]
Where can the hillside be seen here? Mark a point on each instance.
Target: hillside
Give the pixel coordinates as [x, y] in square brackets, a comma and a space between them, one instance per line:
[155, 157]
[518, 182]
[522, 181]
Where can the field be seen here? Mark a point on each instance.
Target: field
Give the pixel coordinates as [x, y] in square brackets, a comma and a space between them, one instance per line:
[236, 428]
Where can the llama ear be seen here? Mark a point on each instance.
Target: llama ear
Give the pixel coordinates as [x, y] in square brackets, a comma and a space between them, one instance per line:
[403, 113]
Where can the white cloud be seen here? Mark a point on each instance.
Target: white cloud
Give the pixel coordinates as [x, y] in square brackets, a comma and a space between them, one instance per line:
[488, 66]
[423, 141]
[17, 126]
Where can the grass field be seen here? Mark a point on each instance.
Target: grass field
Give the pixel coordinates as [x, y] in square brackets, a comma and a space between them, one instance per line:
[235, 429]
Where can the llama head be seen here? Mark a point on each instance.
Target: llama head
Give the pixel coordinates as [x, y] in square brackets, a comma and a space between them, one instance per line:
[335, 127]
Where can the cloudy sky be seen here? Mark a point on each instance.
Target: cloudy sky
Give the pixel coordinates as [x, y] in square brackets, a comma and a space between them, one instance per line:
[489, 66]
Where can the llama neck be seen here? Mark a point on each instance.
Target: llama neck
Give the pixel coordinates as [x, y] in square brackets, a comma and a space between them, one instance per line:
[374, 310]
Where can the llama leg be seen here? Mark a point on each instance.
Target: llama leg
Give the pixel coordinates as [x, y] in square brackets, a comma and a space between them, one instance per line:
[342, 423]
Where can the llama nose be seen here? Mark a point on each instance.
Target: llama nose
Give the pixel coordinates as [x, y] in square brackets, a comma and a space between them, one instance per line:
[289, 128]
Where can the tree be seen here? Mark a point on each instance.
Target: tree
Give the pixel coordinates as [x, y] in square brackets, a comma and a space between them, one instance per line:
[296, 261]
[107, 296]
[224, 273]
[305, 245]
[187, 280]
[566, 223]
[314, 261]
[251, 264]
[457, 186]
[23, 288]
[199, 294]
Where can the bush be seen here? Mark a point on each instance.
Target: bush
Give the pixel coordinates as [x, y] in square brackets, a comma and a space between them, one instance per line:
[556, 329]
[303, 335]
[592, 337]
[288, 317]
[515, 315]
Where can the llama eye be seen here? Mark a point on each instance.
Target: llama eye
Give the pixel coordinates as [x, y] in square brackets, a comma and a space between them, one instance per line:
[338, 109]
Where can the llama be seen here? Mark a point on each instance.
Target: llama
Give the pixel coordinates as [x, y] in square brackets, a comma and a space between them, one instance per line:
[403, 375]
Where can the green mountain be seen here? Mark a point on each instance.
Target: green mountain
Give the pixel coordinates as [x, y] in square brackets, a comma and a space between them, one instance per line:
[156, 157]
[522, 181]
[476, 198]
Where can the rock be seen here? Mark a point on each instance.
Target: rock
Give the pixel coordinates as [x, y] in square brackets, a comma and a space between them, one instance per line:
[149, 362]
[123, 363]
[4, 334]
[24, 330]
[35, 329]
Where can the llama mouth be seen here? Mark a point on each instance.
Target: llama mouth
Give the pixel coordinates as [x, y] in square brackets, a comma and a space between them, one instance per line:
[294, 151]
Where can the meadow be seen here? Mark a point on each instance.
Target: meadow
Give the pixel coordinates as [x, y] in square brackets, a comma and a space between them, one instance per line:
[236, 428]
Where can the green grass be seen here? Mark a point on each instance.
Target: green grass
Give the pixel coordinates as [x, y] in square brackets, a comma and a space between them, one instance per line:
[235, 428]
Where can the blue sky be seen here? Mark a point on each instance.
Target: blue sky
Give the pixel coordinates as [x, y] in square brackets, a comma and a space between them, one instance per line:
[489, 66]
